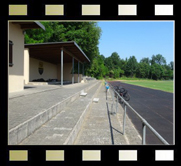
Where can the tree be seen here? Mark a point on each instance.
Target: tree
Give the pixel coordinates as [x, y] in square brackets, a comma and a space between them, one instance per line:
[171, 65]
[118, 72]
[111, 73]
[167, 72]
[115, 65]
[102, 57]
[131, 66]
[98, 69]
[145, 60]
[115, 60]
[103, 71]
[39, 35]
[143, 70]
[85, 34]
[94, 69]
[159, 59]
[109, 63]
[156, 71]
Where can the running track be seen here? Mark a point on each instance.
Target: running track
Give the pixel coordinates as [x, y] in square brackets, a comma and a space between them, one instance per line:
[155, 106]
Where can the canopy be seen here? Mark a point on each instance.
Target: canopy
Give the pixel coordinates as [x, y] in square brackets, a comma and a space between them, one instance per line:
[51, 52]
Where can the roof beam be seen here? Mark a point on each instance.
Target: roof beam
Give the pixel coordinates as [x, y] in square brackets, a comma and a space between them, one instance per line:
[68, 52]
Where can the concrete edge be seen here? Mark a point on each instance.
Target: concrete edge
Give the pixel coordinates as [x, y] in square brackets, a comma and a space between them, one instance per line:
[73, 135]
[23, 130]
[40, 91]
[37, 83]
[128, 122]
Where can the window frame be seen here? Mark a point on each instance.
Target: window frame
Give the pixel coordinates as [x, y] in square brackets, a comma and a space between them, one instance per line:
[11, 53]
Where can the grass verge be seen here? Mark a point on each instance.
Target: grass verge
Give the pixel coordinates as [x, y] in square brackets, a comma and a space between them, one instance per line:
[160, 85]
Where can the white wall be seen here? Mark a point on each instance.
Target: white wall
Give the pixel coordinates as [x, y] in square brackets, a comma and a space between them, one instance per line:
[16, 72]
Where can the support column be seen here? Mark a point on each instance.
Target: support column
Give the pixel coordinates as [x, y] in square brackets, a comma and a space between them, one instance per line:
[82, 69]
[78, 71]
[73, 70]
[61, 66]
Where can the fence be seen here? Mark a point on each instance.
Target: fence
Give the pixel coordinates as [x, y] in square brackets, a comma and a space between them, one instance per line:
[144, 122]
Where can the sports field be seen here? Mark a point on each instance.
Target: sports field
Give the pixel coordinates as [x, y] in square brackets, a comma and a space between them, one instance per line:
[167, 86]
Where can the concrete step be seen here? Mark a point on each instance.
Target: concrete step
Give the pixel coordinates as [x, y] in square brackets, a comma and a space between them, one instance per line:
[37, 83]
[27, 113]
[63, 128]
[103, 127]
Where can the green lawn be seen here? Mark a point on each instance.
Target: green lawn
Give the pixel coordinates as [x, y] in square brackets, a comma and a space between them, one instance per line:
[160, 85]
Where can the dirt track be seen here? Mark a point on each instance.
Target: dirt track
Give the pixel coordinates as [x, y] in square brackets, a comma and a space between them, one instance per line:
[155, 106]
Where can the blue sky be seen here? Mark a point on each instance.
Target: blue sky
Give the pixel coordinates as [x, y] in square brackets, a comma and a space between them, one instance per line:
[138, 38]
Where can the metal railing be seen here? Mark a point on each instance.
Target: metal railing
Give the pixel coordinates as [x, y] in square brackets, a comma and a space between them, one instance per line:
[144, 122]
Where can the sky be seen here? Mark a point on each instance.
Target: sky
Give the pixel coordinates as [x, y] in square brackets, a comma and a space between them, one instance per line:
[138, 38]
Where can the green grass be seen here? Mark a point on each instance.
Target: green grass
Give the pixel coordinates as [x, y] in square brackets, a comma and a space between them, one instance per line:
[127, 78]
[160, 85]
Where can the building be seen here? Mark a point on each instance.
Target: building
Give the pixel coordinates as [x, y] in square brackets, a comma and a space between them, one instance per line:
[28, 62]
[54, 60]
[16, 53]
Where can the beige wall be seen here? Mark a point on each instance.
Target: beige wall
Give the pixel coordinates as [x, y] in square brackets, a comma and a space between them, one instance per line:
[67, 76]
[67, 68]
[26, 65]
[76, 77]
[16, 72]
[50, 70]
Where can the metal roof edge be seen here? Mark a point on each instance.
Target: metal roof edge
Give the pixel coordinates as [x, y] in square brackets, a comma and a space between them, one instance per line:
[40, 25]
[49, 43]
[73, 42]
[81, 51]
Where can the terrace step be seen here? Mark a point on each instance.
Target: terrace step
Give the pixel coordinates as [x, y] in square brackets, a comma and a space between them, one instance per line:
[64, 127]
[28, 112]
[102, 126]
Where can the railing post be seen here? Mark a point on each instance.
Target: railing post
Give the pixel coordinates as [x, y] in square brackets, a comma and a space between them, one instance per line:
[124, 119]
[112, 94]
[144, 134]
[107, 88]
[116, 103]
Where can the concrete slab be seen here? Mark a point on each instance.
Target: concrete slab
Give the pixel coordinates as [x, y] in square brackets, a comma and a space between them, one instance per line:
[102, 127]
[64, 127]
[96, 100]
[28, 112]
[80, 121]
[83, 94]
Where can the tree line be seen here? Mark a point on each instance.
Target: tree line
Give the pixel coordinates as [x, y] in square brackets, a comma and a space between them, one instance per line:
[87, 35]
[114, 67]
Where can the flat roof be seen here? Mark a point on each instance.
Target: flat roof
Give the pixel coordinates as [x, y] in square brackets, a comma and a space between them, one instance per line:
[29, 25]
[51, 52]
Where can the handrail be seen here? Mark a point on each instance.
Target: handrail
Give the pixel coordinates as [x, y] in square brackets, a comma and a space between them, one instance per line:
[144, 122]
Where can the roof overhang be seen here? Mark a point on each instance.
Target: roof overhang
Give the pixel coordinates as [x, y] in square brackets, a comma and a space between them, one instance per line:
[30, 25]
[51, 52]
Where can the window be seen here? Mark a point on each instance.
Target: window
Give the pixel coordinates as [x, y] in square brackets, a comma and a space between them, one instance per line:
[10, 53]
